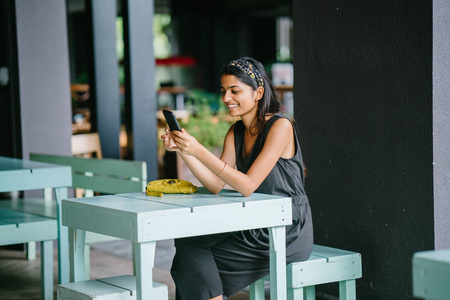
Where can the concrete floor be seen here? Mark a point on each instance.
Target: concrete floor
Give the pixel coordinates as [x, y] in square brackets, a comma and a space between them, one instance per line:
[20, 278]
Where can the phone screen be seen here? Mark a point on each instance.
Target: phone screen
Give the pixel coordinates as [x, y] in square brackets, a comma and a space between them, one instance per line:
[171, 120]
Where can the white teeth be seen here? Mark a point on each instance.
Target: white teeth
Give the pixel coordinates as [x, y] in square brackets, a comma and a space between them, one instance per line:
[231, 106]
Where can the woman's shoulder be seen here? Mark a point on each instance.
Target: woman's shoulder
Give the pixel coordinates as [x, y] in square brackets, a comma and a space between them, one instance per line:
[283, 125]
[280, 121]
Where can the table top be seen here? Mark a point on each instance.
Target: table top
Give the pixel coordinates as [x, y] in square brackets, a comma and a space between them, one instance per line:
[441, 257]
[18, 175]
[141, 218]
[431, 274]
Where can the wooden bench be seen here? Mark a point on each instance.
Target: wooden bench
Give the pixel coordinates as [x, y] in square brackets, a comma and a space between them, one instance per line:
[109, 176]
[120, 288]
[19, 227]
[326, 265]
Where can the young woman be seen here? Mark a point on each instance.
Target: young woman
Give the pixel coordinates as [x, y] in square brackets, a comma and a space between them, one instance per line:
[261, 154]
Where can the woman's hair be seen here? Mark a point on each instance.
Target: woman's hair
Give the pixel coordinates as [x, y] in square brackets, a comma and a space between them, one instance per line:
[252, 73]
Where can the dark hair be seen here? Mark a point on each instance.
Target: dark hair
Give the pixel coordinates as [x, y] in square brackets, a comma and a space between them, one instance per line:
[269, 103]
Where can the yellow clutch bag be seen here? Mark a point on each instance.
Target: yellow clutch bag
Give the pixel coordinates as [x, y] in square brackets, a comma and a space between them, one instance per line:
[170, 186]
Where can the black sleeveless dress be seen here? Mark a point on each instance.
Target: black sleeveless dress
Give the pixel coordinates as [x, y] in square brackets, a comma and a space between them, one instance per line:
[207, 266]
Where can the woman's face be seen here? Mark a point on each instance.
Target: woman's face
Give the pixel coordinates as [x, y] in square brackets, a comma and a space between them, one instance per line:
[239, 98]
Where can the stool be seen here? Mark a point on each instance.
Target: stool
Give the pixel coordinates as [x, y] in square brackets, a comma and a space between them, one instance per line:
[325, 265]
[112, 288]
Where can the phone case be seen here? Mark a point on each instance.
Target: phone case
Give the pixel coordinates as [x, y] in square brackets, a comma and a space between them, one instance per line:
[171, 120]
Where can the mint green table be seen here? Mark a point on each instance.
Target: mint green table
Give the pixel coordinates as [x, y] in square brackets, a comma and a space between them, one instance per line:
[22, 227]
[431, 274]
[144, 220]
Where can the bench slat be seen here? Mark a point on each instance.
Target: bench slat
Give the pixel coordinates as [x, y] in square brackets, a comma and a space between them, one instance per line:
[34, 206]
[18, 227]
[112, 288]
[92, 289]
[17, 217]
[106, 184]
[111, 167]
[331, 254]
[35, 178]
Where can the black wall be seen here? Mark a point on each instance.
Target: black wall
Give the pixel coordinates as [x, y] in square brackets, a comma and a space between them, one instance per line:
[217, 32]
[9, 92]
[363, 102]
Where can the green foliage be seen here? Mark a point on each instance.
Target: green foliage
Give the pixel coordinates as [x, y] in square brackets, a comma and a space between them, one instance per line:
[82, 77]
[198, 98]
[209, 121]
[161, 35]
[161, 40]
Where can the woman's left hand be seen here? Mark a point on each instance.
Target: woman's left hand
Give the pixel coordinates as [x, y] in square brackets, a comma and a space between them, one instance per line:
[185, 143]
[168, 142]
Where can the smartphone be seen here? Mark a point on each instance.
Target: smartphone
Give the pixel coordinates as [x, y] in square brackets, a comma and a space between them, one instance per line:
[171, 120]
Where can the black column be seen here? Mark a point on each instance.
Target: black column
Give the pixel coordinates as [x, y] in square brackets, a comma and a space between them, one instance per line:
[140, 91]
[363, 102]
[9, 90]
[106, 75]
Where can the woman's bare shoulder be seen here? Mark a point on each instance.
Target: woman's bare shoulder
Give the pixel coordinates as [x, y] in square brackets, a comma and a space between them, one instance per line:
[282, 124]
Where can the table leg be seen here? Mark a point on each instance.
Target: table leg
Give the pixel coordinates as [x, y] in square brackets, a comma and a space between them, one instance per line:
[278, 289]
[76, 245]
[256, 290]
[144, 260]
[63, 238]
[47, 269]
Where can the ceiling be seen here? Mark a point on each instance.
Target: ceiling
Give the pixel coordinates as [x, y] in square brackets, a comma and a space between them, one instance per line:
[252, 7]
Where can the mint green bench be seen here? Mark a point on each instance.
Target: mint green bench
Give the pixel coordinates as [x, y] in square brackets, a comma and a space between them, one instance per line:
[112, 288]
[326, 265]
[19, 228]
[431, 274]
[108, 176]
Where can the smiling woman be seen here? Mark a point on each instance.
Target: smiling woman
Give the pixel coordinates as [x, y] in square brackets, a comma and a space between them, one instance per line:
[261, 153]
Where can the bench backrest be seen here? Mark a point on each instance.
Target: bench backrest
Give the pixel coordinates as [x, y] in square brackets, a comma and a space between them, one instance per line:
[101, 175]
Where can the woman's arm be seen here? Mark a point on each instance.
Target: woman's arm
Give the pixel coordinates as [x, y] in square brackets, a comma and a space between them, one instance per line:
[206, 176]
[279, 141]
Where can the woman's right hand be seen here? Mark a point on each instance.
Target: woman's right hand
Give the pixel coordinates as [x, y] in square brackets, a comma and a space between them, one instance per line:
[186, 143]
[168, 142]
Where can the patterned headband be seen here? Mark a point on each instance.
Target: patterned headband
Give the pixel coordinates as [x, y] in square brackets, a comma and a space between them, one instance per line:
[248, 69]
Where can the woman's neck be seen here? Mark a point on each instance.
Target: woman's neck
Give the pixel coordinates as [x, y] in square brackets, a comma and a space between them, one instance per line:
[249, 123]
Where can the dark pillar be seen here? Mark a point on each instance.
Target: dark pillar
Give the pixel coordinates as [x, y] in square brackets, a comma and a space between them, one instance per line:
[140, 92]
[363, 101]
[9, 91]
[106, 76]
